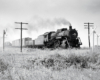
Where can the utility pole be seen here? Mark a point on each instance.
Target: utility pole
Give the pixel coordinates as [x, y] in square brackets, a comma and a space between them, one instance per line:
[21, 32]
[97, 39]
[88, 24]
[4, 39]
[93, 38]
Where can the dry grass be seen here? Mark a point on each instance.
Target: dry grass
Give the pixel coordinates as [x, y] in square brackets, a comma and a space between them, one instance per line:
[59, 64]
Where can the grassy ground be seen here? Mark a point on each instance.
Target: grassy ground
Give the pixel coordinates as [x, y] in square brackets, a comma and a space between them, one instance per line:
[59, 64]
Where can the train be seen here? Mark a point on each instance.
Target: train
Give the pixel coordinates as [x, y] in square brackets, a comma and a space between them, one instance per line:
[64, 37]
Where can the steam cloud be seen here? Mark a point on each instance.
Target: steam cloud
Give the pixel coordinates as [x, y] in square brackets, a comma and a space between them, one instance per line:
[38, 23]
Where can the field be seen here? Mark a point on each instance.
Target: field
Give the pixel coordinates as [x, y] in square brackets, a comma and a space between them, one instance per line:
[58, 64]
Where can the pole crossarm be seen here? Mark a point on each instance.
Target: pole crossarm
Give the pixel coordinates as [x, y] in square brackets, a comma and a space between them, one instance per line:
[22, 28]
[85, 25]
[20, 23]
[21, 32]
[88, 23]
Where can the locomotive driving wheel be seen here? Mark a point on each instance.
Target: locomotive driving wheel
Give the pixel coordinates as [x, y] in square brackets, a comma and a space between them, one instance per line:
[56, 43]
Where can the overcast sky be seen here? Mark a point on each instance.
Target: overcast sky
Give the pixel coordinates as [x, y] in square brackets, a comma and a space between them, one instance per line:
[47, 15]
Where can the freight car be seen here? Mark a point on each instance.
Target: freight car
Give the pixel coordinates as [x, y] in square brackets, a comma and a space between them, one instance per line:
[30, 43]
[17, 43]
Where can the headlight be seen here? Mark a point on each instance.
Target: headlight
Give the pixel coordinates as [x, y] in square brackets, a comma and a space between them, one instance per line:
[74, 34]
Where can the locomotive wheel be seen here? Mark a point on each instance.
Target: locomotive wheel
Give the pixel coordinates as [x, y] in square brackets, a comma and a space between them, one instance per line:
[56, 44]
[78, 46]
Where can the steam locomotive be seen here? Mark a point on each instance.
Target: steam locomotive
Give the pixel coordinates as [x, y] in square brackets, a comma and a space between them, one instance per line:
[61, 38]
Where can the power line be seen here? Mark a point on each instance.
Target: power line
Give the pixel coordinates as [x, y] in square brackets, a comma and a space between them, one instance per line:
[88, 24]
[21, 31]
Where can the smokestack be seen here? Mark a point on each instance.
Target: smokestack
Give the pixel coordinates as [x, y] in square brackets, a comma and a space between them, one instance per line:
[70, 27]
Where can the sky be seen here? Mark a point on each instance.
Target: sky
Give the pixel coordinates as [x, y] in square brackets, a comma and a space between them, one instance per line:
[48, 15]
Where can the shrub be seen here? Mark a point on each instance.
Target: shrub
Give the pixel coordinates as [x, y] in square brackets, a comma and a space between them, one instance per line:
[3, 66]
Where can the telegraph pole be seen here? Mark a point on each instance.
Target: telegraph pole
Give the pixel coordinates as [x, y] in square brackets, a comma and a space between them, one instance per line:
[88, 24]
[4, 39]
[97, 39]
[93, 38]
[21, 32]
